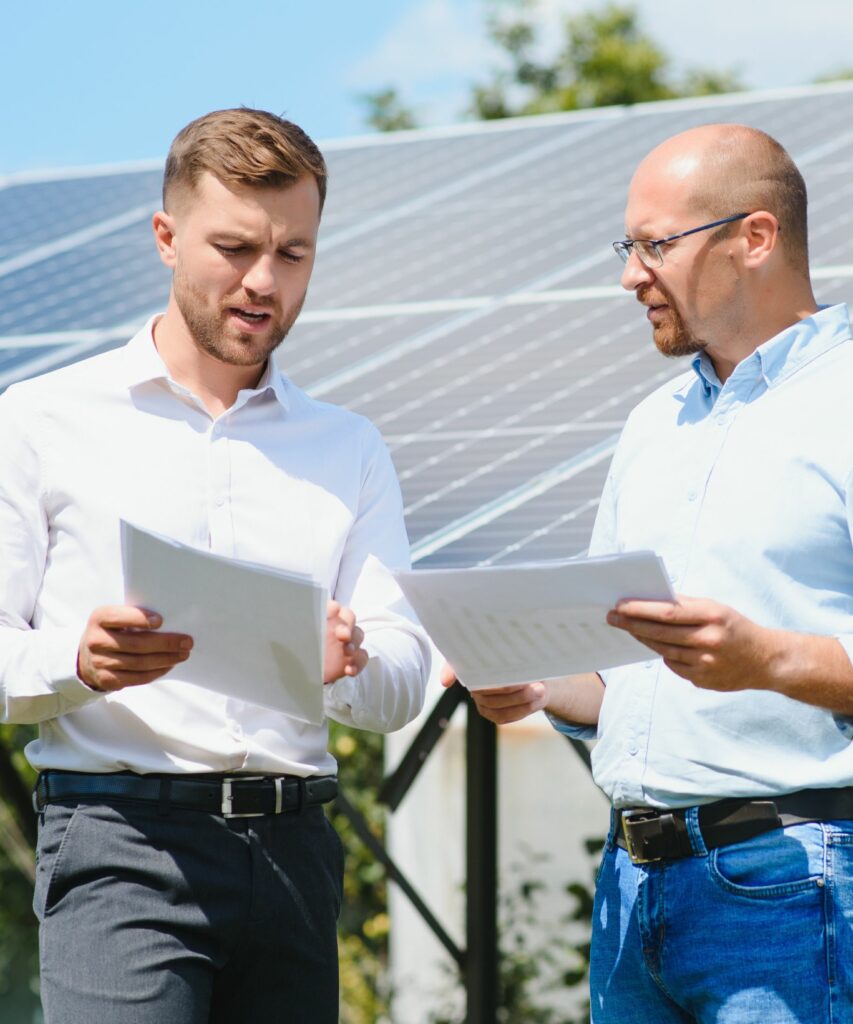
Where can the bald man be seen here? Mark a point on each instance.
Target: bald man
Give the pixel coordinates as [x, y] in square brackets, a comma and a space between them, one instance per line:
[725, 893]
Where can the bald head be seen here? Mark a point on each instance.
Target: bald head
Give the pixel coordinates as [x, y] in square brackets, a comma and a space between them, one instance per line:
[723, 169]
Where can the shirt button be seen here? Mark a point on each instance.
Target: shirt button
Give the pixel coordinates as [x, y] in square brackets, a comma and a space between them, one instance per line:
[632, 750]
[219, 502]
[691, 494]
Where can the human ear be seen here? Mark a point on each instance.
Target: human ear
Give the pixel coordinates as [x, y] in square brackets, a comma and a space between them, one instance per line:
[163, 225]
[760, 235]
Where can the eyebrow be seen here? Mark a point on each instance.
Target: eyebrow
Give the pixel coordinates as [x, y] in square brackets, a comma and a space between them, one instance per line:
[238, 236]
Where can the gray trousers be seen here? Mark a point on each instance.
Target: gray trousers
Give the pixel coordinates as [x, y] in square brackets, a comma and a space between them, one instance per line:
[185, 917]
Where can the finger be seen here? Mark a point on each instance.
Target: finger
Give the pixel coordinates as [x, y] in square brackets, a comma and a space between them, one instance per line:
[111, 641]
[346, 615]
[686, 656]
[647, 629]
[448, 674]
[123, 679]
[505, 716]
[332, 609]
[356, 663]
[123, 616]
[343, 633]
[681, 612]
[498, 700]
[137, 662]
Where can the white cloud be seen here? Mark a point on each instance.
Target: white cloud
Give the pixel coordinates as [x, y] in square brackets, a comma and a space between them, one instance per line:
[432, 42]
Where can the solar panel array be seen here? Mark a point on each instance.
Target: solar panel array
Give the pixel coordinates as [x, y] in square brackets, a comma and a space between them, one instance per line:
[465, 298]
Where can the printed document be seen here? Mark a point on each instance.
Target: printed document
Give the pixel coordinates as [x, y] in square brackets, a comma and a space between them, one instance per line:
[505, 625]
[259, 632]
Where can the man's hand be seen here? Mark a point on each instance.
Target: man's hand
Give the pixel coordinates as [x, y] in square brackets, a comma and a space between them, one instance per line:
[344, 655]
[506, 703]
[710, 644]
[121, 646]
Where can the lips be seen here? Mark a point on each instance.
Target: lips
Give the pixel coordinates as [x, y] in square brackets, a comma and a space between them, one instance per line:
[254, 317]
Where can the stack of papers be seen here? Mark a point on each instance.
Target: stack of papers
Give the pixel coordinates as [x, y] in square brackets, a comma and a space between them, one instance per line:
[506, 625]
[259, 632]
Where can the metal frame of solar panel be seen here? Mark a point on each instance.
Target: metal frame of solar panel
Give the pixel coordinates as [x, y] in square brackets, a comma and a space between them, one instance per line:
[465, 298]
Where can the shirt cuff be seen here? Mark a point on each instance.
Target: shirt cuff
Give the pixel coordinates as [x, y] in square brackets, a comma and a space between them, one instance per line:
[59, 668]
[845, 722]
[576, 731]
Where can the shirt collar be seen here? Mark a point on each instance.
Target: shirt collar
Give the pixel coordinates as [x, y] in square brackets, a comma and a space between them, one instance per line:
[789, 350]
[143, 363]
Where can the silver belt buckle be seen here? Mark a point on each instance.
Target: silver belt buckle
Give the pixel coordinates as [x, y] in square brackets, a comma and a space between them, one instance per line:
[228, 796]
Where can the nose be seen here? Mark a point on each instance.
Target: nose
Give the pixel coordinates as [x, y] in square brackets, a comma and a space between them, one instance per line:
[260, 277]
[635, 273]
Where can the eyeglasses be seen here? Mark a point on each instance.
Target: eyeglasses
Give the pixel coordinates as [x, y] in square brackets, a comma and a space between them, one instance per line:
[649, 251]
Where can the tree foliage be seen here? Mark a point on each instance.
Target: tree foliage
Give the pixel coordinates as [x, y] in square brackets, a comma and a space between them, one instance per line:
[604, 59]
[386, 112]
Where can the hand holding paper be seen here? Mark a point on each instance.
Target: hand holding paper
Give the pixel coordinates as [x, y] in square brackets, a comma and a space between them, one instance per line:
[501, 626]
[258, 633]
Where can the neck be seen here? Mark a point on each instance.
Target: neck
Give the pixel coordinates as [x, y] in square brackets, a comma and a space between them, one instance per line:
[215, 383]
[778, 307]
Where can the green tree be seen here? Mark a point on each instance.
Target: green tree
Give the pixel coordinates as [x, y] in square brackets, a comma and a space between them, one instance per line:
[18, 928]
[605, 58]
[386, 112]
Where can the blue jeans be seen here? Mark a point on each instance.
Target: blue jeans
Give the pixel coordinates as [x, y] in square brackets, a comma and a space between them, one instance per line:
[186, 917]
[759, 932]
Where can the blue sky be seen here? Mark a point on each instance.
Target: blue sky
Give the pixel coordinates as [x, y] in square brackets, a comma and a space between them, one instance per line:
[92, 81]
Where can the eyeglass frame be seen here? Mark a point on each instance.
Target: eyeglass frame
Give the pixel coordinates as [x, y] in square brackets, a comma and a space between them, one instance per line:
[626, 246]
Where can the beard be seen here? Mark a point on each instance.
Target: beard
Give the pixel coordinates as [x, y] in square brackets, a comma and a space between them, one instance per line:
[212, 328]
[672, 336]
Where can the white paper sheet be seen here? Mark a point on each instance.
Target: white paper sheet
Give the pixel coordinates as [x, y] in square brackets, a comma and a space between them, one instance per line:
[504, 625]
[258, 633]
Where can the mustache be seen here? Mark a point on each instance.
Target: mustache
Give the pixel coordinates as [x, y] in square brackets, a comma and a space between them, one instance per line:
[650, 295]
[250, 300]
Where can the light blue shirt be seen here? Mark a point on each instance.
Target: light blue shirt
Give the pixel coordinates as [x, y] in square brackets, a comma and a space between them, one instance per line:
[746, 490]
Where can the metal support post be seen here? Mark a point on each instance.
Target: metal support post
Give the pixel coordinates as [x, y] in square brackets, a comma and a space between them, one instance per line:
[481, 961]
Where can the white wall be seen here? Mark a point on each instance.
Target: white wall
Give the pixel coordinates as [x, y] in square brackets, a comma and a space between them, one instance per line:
[547, 804]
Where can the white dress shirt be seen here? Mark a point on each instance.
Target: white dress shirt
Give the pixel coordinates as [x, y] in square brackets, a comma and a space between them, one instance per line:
[278, 479]
[746, 490]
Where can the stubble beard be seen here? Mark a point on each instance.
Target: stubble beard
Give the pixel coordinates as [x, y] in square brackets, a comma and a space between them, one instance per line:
[212, 331]
[672, 337]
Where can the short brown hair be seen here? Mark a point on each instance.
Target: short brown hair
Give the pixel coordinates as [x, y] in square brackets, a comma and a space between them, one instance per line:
[749, 170]
[242, 147]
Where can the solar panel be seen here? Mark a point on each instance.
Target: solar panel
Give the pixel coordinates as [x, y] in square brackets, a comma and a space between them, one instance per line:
[465, 298]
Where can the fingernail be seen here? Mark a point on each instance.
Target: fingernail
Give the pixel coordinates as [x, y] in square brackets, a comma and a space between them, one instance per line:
[186, 643]
[154, 620]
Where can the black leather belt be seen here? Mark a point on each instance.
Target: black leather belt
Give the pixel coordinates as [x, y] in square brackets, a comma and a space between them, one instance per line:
[231, 796]
[652, 835]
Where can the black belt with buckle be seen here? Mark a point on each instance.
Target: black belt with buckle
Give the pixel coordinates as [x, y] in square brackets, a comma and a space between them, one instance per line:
[231, 796]
[649, 834]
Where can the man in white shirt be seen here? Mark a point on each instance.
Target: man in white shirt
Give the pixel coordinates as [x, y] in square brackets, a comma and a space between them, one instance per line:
[186, 870]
